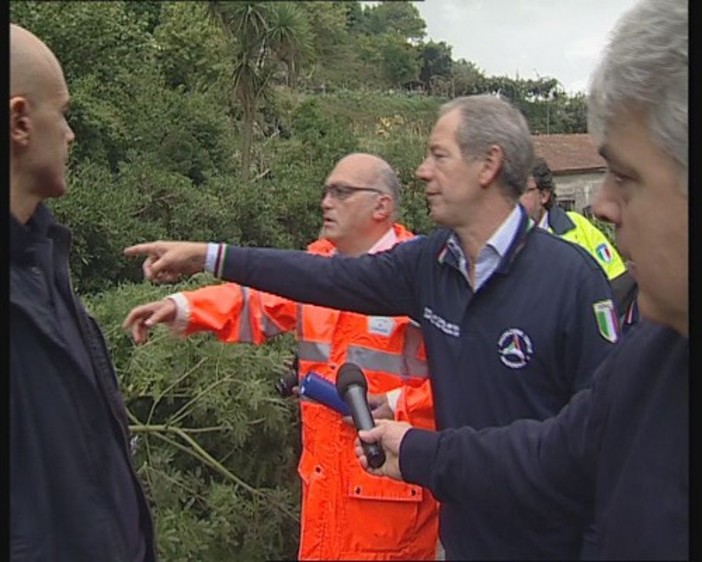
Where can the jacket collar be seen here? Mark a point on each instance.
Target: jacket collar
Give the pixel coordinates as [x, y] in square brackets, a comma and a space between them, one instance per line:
[559, 221]
[526, 225]
[41, 224]
[452, 253]
[21, 235]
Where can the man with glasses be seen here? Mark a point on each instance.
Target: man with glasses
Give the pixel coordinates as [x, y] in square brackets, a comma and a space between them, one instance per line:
[540, 202]
[346, 513]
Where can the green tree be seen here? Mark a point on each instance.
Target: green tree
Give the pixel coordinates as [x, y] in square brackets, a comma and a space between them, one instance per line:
[570, 114]
[436, 64]
[191, 52]
[333, 59]
[390, 60]
[399, 17]
[260, 34]
[400, 60]
[356, 17]
[466, 78]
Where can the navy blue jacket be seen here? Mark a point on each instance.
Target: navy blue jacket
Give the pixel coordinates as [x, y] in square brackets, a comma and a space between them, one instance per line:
[518, 348]
[74, 495]
[620, 449]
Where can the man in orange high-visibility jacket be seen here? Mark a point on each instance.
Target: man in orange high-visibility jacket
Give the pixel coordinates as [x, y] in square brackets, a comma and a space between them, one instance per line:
[346, 513]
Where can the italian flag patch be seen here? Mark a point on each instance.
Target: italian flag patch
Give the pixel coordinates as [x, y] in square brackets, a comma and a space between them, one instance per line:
[603, 253]
[606, 320]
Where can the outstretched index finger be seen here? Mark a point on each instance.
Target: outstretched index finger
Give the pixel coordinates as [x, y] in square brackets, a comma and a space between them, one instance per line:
[146, 248]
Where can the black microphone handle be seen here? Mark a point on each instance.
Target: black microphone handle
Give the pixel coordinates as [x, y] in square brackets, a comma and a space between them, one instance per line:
[357, 402]
[355, 398]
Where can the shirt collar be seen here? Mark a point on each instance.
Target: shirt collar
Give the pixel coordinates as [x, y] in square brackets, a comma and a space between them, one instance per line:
[543, 223]
[515, 232]
[502, 238]
[386, 241]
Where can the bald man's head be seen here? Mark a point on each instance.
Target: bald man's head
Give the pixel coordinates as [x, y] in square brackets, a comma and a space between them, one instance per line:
[40, 136]
[359, 202]
[34, 69]
[374, 170]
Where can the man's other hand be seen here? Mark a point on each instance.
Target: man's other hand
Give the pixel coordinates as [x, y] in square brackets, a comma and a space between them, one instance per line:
[141, 318]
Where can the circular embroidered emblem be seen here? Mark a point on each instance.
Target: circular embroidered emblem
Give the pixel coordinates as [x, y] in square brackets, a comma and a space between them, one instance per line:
[515, 348]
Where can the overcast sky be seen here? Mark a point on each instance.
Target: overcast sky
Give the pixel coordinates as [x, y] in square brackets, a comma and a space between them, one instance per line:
[561, 39]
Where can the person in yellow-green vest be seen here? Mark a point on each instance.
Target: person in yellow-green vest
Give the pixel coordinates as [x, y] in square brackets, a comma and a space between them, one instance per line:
[539, 199]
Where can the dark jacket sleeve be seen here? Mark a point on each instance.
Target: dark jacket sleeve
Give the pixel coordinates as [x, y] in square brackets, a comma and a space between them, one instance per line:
[382, 283]
[528, 467]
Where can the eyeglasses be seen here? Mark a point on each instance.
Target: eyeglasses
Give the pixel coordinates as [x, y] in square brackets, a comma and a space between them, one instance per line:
[342, 192]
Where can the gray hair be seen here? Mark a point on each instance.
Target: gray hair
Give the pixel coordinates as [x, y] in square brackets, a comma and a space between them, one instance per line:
[387, 178]
[487, 120]
[645, 67]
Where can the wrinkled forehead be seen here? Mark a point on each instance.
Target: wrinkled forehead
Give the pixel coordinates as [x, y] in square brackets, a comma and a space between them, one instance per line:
[447, 124]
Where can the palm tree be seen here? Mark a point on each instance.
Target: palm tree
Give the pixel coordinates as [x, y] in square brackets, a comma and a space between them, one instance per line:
[261, 35]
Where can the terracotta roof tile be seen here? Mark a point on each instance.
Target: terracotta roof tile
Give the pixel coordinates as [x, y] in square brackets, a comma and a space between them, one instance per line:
[568, 154]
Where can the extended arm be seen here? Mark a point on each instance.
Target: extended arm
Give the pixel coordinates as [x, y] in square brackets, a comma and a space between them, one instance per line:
[528, 467]
[382, 283]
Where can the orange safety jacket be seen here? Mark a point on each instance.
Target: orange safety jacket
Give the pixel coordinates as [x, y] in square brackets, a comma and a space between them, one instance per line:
[346, 512]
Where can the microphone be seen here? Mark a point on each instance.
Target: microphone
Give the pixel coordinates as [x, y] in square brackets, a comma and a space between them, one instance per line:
[352, 386]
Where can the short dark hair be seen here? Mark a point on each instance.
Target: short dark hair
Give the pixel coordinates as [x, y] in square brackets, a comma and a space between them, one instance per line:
[542, 175]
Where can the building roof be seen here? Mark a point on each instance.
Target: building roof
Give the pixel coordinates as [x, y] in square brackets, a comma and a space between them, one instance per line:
[569, 154]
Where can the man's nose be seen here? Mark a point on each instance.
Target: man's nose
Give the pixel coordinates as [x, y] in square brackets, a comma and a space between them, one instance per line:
[605, 207]
[423, 171]
[327, 200]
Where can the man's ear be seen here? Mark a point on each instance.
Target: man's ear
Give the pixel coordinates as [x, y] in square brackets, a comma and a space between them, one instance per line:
[383, 207]
[492, 165]
[544, 195]
[20, 121]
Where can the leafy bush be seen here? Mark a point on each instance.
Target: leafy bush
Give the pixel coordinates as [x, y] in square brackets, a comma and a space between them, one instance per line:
[216, 448]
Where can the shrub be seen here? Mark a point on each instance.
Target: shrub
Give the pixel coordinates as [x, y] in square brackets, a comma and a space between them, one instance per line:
[215, 446]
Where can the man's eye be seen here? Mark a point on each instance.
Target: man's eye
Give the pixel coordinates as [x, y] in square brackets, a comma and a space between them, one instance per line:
[618, 178]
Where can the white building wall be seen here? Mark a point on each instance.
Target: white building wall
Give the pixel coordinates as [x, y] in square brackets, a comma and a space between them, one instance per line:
[579, 188]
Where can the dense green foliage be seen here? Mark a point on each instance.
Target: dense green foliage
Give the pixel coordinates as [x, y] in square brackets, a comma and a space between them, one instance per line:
[220, 121]
[216, 449]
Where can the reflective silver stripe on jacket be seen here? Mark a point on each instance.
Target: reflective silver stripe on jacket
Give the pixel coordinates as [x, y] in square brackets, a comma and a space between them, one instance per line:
[313, 351]
[374, 360]
[245, 334]
[391, 363]
[268, 327]
[403, 365]
[415, 367]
